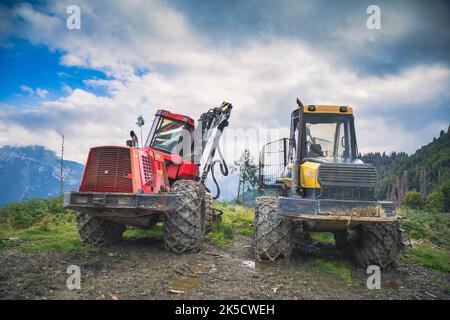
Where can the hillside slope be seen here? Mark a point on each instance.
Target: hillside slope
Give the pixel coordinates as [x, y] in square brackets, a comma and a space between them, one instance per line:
[424, 171]
[33, 172]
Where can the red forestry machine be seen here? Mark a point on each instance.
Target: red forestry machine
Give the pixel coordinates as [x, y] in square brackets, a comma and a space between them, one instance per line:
[164, 180]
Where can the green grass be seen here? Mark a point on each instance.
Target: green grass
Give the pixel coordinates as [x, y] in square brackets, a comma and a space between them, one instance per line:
[39, 225]
[222, 235]
[157, 232]
[323, 237]
[5, 243]
[433, 231]
[61, 236]
[431, 258]
[336, 268]
[236, 219]
[42, 225]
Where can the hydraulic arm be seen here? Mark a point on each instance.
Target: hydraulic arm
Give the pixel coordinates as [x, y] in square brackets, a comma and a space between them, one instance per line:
[211, 125]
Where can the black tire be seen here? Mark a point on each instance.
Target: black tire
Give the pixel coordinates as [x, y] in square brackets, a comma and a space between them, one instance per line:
[184, 227]
[273, 236]
[209, 215]
[379, 244]
[340, 239]
[98, 231]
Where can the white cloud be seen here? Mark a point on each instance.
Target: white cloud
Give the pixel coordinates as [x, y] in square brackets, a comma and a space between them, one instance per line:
[27, 89]
[41, 93]
[66, 89]
[188, 74]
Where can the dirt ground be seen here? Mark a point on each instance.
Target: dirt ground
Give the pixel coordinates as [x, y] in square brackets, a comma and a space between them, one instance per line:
[142, 269]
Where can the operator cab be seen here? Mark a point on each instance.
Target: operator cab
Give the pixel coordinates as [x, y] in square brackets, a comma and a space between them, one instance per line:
[328, 136]
[169, 131]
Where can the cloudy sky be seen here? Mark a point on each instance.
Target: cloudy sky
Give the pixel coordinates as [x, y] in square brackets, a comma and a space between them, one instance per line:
[133, 57]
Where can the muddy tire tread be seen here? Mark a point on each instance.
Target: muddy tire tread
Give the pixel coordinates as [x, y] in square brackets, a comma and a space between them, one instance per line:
[209, 214]
[96, 231]
[273, 234]
[380, 244]
[184, 226]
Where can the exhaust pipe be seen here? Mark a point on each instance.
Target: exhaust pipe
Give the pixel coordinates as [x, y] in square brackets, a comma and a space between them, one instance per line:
[295, 185]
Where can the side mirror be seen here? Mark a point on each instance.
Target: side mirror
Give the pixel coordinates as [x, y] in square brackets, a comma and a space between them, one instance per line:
[129, 143]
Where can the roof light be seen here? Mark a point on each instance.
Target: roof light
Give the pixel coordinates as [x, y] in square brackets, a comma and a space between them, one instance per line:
[343, 109]
[312, 108]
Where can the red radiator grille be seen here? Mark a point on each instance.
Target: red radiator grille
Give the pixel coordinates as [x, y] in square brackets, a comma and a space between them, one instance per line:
[108, 170]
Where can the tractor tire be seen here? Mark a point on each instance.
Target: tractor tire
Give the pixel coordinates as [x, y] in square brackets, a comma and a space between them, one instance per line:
[379, 244]
[96, 231]
[209, 215]
[184, 227]
[273, 236]
[261, 201]
[340, 239]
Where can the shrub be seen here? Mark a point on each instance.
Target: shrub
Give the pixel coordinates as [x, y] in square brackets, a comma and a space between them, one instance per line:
[427, 225]
[413, 200]
[40, 225]
[436, 201]
[27, 213]
[23, 214]
[445, 189]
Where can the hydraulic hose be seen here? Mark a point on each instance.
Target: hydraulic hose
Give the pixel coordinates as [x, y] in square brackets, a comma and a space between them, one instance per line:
[223, 170]
[217, 195]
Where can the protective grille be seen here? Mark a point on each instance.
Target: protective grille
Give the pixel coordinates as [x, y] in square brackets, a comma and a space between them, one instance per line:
[352, 175]
[148, 174]
[272, 162]
[108, 170]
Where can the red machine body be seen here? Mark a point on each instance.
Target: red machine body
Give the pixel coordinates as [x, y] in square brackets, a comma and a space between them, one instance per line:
[150, 169]
[134, 186]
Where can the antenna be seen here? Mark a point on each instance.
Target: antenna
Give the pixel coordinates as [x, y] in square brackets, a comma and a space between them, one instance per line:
[61, 177]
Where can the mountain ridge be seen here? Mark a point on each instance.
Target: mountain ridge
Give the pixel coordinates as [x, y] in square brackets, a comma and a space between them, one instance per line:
[33, 172]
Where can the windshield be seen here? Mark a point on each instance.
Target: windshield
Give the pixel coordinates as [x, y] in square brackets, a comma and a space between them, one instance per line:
[168, 134]
[328, 137]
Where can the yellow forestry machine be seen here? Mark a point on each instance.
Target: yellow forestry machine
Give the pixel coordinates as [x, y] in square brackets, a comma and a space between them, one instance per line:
[323, 186]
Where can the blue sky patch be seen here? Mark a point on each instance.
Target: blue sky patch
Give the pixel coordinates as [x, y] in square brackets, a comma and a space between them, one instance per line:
[25, 66]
